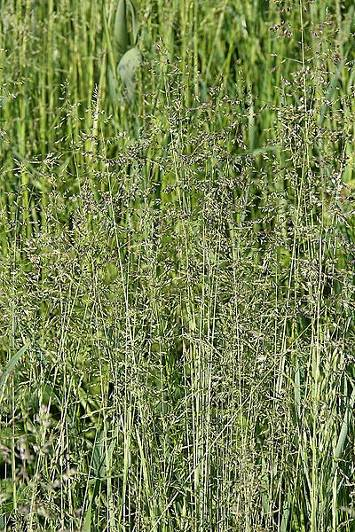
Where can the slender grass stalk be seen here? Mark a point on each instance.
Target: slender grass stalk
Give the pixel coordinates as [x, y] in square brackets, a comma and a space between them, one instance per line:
[176, 232]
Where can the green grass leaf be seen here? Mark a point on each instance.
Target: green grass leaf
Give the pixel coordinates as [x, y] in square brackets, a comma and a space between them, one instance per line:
[10, 366]
[86, 527]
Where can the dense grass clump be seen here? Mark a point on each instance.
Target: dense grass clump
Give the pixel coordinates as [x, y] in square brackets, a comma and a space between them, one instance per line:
[177, 236]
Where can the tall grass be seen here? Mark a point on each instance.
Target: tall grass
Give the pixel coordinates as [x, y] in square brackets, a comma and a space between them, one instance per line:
[176, 232]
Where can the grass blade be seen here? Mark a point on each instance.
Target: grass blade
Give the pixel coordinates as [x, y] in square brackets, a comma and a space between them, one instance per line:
[10, 366]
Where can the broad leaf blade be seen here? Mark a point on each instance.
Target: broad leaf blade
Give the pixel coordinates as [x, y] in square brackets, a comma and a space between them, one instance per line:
[127, 68]
[121, 37]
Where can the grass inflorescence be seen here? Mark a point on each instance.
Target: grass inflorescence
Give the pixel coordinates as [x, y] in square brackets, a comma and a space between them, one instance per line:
[176, 236]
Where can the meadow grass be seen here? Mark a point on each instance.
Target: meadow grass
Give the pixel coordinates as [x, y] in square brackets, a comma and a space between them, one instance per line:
[176, 235]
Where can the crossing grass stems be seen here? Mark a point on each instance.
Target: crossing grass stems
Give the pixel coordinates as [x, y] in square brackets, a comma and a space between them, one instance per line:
[176, 232]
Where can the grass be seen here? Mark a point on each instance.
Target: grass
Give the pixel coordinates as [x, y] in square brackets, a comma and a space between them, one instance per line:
[176, 233]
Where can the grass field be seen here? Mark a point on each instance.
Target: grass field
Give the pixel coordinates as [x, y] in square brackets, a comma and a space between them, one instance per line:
[176, 277]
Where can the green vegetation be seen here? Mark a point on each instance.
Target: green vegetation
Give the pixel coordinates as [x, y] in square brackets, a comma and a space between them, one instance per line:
[176, 273]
